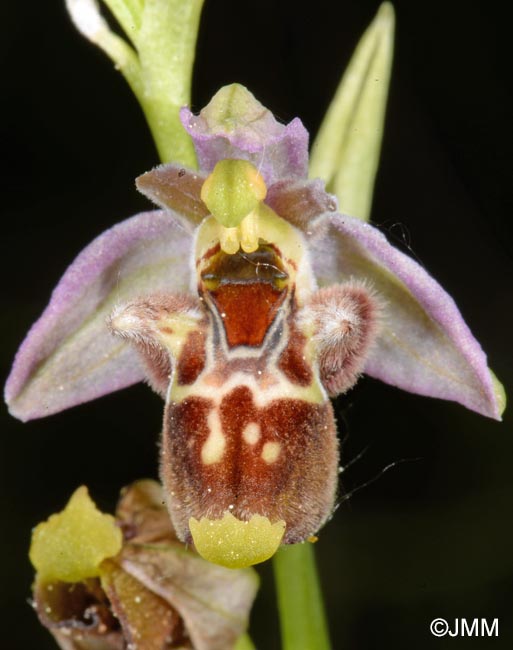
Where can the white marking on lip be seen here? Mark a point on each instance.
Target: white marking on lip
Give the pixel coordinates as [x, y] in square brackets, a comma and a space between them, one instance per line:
[213, 449]
[251, 433]
[271, 452]
[278, 388]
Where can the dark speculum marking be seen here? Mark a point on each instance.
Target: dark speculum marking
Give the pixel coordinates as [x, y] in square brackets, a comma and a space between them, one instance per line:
[246, 289]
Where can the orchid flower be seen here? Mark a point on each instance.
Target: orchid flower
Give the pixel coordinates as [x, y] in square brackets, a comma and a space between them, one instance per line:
[246, 301]
[106, 583]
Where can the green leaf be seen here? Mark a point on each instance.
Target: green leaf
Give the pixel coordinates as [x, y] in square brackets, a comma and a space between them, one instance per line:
[346, 151]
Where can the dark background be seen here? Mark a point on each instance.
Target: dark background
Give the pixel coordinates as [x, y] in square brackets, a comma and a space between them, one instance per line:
[430, 538]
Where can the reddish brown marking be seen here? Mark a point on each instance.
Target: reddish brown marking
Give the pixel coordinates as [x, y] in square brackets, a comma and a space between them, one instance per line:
[166, 330]
[210, 253]
[192, 358]
[249, 309]
[292, 263]
[292, 362]
[185, 431]
[298, 487]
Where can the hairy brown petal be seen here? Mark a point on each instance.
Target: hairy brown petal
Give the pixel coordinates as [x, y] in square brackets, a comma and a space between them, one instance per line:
[177, 188]
[301, 203]
[344, 318]
[149, 322]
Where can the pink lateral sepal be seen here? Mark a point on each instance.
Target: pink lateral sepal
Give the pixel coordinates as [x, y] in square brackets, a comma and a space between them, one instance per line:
[69, 356]
[424, 345]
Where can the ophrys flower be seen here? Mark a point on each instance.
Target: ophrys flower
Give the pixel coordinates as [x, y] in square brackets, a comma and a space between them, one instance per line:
[219, 296]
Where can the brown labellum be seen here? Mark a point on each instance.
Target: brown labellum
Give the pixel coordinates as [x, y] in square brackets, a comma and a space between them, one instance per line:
[248, 426]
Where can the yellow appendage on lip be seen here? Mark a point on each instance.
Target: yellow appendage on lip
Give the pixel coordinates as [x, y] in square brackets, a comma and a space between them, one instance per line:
[234, 543]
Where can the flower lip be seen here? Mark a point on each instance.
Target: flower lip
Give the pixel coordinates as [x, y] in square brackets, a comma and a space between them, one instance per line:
[246, 290]
[273, 231]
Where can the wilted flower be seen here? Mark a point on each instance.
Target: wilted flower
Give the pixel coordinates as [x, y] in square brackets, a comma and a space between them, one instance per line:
[218, 296]
[108, 584]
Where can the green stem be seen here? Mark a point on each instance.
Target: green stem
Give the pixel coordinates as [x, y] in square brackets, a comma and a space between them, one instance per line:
[157, 60]
[166, 42]
[302, 618]
[244, 643]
